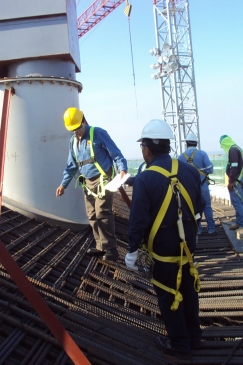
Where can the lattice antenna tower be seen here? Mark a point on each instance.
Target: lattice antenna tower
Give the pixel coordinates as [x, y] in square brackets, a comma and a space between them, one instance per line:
[175, 68]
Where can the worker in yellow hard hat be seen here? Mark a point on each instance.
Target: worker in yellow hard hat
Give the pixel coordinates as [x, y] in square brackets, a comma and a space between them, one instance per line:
[93, 153]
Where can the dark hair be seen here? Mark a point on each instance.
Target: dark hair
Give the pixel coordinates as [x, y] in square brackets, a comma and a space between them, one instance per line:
[191, 143]
[157, 149]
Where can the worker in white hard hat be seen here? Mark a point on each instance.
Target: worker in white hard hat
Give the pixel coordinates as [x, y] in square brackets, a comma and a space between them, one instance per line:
[166, 204]
[92, 153]
[234, 171]
[200, 160]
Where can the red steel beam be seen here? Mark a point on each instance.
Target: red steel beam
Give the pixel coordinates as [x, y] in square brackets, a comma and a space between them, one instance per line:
[40, 306]
[3, 136]
[97, 11]
[125, 197]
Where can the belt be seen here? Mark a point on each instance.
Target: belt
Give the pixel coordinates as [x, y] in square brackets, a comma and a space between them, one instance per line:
[93, 178]
[108, 173]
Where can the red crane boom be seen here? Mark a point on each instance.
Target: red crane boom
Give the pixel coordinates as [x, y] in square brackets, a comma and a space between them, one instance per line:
[97, 11]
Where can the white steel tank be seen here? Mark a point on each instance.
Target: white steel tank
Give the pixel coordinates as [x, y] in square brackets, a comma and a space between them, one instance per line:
[39, 58]
[37, 142]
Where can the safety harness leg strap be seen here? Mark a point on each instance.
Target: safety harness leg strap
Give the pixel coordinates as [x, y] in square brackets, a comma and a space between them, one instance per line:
[193, 268]
[177, 294]
[180, 260]
[84, 186]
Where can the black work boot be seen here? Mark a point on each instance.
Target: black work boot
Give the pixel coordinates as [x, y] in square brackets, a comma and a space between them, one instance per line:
[95, 252]
[163, 343]
[111, 254]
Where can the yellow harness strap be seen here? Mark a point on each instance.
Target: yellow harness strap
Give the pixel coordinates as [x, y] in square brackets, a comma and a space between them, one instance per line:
[103, 177]
[175, 187]
[190, 160]
[99, 168]
[166, 202]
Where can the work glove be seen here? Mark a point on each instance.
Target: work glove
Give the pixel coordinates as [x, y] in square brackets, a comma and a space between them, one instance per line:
[130, 260]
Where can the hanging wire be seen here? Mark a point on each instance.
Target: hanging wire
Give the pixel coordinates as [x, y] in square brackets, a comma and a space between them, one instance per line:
[127, 12]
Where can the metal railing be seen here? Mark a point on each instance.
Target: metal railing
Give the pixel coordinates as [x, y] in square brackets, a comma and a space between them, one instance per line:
[219, 162]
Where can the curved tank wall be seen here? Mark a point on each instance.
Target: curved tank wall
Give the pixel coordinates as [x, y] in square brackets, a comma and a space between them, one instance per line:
[37, 148]
[50, 67]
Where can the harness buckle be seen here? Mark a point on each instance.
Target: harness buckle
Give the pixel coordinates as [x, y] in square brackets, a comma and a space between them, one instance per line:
[210, 181]
[146, 264]
[81, 180]
[175, 186]
[99, 191]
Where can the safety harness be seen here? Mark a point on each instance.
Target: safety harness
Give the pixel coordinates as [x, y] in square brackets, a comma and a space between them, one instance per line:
[238, 180]
[104, 179]
[206, 177]
[174, 187]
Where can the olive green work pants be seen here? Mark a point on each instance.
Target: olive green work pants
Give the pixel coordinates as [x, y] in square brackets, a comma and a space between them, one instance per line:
[101, 217]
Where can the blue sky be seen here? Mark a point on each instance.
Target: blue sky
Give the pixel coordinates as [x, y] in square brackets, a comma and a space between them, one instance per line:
[111, 100]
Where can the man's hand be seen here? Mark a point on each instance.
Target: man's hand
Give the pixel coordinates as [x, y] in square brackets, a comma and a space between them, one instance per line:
[230, 186]
[60, 191]
[130, 260]
[122, 173]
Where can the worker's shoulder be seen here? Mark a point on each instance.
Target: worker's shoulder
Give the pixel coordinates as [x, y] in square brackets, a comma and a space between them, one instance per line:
[101, 132]
[184, 165]
[185, 170]
[200, 155]
[182, 156]
[202, 152]
[235, 147]
[98, 129]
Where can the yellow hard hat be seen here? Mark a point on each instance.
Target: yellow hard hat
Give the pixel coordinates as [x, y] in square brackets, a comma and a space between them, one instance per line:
[73, 118]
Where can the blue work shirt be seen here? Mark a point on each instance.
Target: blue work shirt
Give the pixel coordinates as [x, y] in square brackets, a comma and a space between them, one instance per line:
[105, 151]
[149, 191]
[200, 160]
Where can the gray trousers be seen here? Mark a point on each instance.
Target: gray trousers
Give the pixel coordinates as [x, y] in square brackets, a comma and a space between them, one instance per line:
[101, 217]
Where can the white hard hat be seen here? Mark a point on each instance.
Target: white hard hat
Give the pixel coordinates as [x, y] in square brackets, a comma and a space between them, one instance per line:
[191, 137]
[157, 129]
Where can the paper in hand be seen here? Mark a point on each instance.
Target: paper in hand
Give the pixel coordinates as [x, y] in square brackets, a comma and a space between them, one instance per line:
[115, 183]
